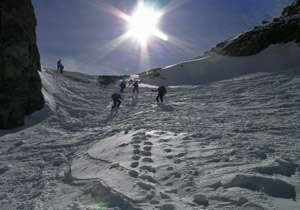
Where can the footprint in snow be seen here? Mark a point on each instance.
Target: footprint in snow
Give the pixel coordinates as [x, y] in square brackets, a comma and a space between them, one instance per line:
[146, 153]
[177, 161]
[133, 174]
[163, 140]
[181, 154]
[135, 157]
[134, 164]
[177, 175]
[148, 178]
[136, 141]
[145, 186]
[148, 160]
[167, 150]
[169, 184]
[142, 133]
[136, 151]
[136, 146]
[147, 148]
[148, 168]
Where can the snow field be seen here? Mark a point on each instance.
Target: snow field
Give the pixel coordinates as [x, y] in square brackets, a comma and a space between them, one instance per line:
[232, 144]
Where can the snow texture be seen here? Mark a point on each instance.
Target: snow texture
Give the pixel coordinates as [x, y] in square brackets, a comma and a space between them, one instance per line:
[230, 144]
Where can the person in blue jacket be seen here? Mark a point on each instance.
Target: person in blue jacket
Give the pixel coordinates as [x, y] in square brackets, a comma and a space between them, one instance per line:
[122, 86]
[60, 66]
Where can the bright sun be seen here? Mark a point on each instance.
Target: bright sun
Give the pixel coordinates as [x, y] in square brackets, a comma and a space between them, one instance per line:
[143, 24]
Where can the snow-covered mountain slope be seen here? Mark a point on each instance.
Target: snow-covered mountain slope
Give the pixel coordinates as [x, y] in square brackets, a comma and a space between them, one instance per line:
[213, 67]
[232, 144]
[271, 47]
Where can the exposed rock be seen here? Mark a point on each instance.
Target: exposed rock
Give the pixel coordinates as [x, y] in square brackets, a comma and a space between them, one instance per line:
[20, 84]
[291, 10]
[106, 80]
[282, 30]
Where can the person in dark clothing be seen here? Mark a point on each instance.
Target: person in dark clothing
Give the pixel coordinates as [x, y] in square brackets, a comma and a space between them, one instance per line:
[116, 98]
[161, 92]
[122, 86]
[60, 66]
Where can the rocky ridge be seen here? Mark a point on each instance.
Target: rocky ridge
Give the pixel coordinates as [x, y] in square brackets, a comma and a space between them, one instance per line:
[20, 84]
[281, 30]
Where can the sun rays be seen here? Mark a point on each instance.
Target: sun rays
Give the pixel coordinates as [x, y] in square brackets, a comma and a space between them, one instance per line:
[142, 32]
[143, 24]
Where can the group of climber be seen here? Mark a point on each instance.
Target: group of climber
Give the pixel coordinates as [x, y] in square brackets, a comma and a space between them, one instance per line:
[135, 87]
[117, 96]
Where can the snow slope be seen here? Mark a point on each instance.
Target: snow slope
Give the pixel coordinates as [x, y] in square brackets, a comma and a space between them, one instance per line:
[232, 144]
[213, 67]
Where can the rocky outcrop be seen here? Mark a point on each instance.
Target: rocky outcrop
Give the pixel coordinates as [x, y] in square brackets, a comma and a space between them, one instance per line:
[282, 30]
[20, 84]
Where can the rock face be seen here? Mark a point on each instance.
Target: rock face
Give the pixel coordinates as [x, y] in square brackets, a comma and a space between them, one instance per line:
[20, 84]
[282, 30]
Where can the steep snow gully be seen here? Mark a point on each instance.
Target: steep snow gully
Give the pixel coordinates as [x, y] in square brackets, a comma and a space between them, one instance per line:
[232, 144]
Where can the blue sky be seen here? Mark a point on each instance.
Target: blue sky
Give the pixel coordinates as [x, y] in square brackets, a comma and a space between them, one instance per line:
[83, 33]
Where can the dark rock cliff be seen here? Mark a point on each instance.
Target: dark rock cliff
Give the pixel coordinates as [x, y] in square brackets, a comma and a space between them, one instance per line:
[20, 84]
[284, 29]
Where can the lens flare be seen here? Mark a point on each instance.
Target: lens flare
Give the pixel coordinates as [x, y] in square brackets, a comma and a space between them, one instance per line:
[143, 24]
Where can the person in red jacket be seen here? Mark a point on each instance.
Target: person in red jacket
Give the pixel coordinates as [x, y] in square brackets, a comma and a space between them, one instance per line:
[135, 87]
